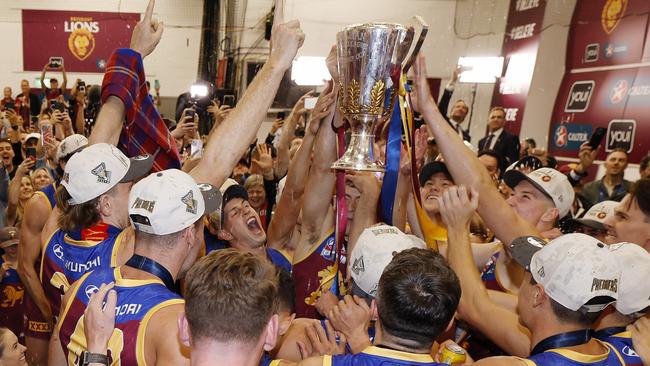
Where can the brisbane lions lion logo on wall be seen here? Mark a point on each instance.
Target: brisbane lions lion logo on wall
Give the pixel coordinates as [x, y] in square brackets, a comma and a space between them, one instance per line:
[81, 43]
[613, 11]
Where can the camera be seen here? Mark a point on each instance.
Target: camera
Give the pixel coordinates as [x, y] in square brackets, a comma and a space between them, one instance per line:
[55, 62]
[9, 105]
[54, 105]
[190, 112]
[81, 86]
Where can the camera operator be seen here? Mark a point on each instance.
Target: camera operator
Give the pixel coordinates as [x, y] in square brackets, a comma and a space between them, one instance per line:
[199, 98]
[27, 103]
[78, 106]
[93, 103]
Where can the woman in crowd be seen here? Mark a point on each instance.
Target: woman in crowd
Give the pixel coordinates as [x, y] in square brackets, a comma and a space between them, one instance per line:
[12, 353]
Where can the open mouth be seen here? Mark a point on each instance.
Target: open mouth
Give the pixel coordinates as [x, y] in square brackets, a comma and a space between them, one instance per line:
[431, 197]
[253, 225]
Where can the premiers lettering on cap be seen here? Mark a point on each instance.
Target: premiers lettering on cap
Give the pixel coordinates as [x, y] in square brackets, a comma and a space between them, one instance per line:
[600, 284]
[384, 230]
[143, 204]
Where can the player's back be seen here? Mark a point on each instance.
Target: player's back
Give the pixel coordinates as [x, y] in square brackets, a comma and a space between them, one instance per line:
[380, 356]
[566, 357]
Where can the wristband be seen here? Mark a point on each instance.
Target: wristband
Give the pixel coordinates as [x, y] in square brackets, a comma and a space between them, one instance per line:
[88, 358]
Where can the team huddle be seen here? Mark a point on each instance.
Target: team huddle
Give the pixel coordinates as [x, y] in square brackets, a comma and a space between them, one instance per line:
[137, 257]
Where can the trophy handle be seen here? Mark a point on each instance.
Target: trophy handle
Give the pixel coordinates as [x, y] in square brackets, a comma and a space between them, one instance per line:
[418, 44]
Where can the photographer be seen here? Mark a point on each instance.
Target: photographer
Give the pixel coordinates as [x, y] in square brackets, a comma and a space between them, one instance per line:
[78, 106]
[27, 103]
[200, 98]
[7, 101]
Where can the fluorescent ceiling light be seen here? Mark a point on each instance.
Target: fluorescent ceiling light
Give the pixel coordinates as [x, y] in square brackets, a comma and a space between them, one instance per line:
[480, 69]
[309, 70]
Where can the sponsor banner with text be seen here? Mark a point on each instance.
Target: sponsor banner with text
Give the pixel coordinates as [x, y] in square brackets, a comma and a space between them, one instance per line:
[85, 40]
[520, 45]
[607, 32]
[614, 99]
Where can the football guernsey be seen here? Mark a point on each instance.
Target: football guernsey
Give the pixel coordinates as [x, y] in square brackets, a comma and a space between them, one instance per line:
[566, 357]
[622, 342]
[137, 302]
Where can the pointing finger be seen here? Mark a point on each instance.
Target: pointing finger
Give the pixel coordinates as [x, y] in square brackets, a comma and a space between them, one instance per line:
[148, 13]
[278, 15]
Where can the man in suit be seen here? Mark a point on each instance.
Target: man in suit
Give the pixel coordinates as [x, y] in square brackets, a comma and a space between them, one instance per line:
[459, 109]
[500, 141]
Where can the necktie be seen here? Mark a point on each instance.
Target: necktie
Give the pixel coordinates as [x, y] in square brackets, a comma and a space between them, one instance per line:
[488, 142]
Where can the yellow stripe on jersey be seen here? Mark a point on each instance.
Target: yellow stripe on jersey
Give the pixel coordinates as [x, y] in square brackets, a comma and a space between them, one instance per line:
[525, 361]
[47, 243]
[581, 357]
[47, 199]
[398, 355]
[116, 248]
[127, 282]
[327, 360]
[142, 329]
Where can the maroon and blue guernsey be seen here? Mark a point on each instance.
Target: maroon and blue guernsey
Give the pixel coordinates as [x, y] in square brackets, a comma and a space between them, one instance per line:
[67, 257]
[137, 302]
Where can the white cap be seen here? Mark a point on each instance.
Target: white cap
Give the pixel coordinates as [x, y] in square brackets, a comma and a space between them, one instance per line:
[574, 269]
[549, 181]
[597, 214]
[634, 289]
[33, 135]
[169, 201]
[69, 145]
[374, 250]
[98, 168]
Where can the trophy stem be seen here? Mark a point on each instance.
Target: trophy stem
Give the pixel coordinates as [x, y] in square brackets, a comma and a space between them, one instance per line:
[358, 155]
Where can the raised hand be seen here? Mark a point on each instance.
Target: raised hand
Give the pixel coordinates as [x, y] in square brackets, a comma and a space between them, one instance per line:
[264, 161]
[147, 32]
[324, 107]
[299, 107]
[640, 331]
[286, 39]
[457, 206]
[421, 144]
[332, 64]
[99, 318]
[587, 156]
[425, 100]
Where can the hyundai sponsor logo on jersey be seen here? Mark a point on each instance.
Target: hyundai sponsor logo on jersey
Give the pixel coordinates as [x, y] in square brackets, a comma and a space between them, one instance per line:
[570, 136]
[579, 96]
[620, 134]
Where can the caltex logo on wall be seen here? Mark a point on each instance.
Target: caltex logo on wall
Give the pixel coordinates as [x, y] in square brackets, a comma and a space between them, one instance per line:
[561, 135]
[619, 92]
[612, 13]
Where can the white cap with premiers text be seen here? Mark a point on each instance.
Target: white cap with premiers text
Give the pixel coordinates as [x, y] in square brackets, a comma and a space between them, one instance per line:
[574, 269]
[634, 289]
[374, 250]
[96, 169]
[549, 181]
[169, 201]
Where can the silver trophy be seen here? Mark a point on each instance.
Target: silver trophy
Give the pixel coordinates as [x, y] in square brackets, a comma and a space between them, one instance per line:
[370, 57]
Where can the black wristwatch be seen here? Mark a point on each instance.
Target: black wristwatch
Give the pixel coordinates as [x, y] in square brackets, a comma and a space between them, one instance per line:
[88, 358]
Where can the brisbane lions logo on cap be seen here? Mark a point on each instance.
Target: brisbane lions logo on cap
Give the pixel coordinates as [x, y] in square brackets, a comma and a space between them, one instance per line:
[190, 202]
[103, 175]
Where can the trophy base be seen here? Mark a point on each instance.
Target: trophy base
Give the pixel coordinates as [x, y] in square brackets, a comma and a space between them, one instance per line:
[362, 165]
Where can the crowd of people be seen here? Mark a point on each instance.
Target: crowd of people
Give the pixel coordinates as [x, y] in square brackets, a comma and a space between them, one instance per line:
[132, 239]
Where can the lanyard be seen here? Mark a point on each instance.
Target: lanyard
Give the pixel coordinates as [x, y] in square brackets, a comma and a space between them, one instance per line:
[608, 332]
[563, 340]
[150, 266]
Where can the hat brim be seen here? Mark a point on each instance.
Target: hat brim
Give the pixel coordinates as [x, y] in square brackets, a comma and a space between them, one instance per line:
[587, 222]
[523, 248]
[211, 197]
[140, 166]
[514, 177]
[8, 243]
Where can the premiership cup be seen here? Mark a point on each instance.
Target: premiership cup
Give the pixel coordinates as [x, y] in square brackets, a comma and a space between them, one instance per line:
[370, 58]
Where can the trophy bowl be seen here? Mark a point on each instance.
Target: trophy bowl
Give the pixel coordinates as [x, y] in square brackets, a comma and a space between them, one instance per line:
[370, 58]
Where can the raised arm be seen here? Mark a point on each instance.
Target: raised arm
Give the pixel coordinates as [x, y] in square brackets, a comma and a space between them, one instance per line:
[14, 190]
[288, 131]
[65, 79]
[43, 87]
[288, 208]
[502, 325]
[37, 211]
[230, 140]
[467, 169]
